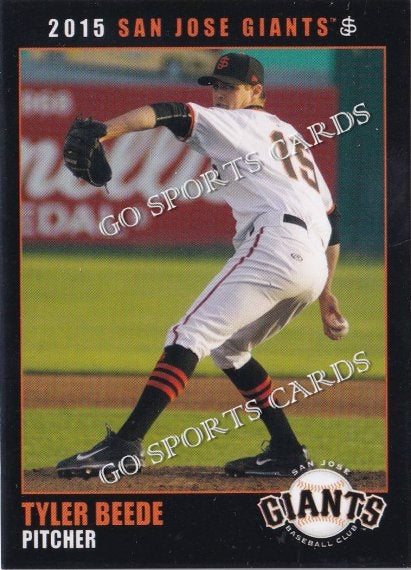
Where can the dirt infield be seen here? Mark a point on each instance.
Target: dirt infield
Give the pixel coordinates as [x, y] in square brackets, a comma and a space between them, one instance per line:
[182, 479]
[351, 398]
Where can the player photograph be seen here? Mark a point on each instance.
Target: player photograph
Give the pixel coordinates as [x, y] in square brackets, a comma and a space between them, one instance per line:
[199, 209]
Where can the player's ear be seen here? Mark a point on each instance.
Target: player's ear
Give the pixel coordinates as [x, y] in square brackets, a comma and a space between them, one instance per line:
[257, 91]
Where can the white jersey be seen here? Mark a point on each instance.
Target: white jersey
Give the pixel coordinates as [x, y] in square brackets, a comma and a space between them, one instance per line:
[292, 185]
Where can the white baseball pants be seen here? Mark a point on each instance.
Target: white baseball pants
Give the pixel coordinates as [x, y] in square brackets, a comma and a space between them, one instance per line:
[273, 275]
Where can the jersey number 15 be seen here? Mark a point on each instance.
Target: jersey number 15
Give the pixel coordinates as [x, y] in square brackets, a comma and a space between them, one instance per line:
[301, 167]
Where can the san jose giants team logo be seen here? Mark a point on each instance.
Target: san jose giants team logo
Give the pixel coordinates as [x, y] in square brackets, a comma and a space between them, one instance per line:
[223, 62]
[322, 504]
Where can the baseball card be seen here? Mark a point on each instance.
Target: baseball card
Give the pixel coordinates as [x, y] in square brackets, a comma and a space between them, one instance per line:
[205, 311]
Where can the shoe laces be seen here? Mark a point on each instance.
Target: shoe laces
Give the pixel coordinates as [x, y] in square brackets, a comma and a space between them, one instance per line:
[103, 441]
[270, 449]
[109, 435]
[265, 447]
[109, 431]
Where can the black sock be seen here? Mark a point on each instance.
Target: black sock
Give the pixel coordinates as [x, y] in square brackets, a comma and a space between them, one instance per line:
[254, 383]
[167, 380]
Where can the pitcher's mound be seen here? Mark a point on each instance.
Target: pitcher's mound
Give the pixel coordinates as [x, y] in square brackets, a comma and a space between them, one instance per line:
[181, 479]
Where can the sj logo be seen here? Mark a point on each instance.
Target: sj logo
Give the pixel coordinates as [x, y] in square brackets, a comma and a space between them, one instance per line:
[223, 62]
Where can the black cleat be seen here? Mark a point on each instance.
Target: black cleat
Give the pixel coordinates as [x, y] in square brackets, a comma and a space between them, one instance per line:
[112, 449]
[269, 464]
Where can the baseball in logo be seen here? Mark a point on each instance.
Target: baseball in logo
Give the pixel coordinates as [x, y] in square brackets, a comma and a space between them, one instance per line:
[321, 504]
[223, 62]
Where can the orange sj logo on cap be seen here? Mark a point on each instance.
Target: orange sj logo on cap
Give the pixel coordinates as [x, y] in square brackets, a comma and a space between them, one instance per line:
[223, 62]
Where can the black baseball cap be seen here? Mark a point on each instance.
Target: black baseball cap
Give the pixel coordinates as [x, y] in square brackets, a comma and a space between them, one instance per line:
[236, 69]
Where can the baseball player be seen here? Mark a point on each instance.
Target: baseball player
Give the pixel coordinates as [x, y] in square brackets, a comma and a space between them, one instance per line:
[286, 250]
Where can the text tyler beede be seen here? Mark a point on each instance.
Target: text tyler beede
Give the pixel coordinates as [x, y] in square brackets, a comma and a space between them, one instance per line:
[80, 514]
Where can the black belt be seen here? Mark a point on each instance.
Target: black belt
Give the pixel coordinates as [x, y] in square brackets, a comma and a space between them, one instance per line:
[294, 220]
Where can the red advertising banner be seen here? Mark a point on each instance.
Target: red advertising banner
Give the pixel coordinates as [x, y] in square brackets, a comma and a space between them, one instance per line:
[59, 208]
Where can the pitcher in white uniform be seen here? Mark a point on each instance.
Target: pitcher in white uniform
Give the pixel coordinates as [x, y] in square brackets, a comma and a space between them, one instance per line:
[286, 250]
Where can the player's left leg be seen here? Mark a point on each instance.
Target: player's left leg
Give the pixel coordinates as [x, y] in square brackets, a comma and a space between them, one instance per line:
[254, 383]
[284, 452]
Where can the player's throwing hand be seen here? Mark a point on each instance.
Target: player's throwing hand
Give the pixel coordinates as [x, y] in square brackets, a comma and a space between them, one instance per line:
[335, 325]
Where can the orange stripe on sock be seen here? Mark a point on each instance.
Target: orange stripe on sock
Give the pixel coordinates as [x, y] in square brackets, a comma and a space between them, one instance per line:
[265, 405]
[174, 369]
[264, 395]
[163, 388]
[158, 374]
[266, 382]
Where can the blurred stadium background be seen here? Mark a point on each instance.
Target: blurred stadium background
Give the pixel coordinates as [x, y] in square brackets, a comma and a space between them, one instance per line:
[93, 303]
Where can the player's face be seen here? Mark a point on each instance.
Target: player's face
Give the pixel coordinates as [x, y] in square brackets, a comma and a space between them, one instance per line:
[232, 96]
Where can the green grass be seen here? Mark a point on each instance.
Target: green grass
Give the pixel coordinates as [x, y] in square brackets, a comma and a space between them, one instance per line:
[110, 313]
[360, 448]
